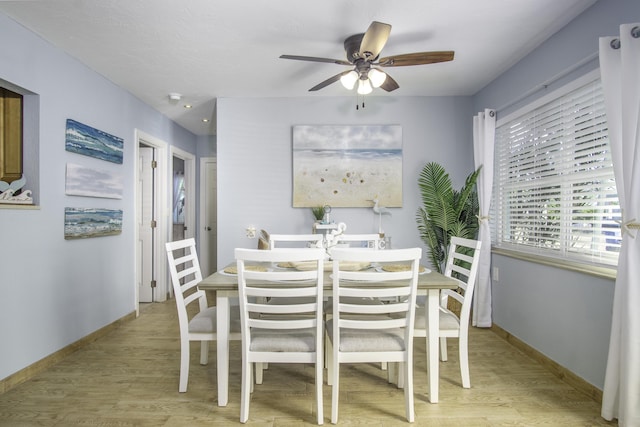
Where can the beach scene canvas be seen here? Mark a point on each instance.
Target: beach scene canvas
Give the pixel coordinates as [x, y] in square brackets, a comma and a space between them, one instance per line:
[83, 223]
[90, 182]
[85, 140]
[347, 166]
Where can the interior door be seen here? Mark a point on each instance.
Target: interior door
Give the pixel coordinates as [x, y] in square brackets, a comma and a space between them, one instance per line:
[209, 241]
[145, 218]
[179, 205]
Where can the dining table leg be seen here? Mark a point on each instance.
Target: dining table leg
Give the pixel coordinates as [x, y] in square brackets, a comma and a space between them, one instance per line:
[433, 308]
[223, 319]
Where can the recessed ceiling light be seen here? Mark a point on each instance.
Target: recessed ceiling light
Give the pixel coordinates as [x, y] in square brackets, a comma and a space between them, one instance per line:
[205, 120]
[188, 106]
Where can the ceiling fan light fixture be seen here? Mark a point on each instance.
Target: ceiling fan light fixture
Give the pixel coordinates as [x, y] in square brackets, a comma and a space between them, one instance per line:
[364, 87]
[349, 80]
[377, 77]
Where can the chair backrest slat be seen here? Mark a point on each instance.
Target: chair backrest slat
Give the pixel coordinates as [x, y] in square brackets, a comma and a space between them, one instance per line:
[295, 240]
[365, 241]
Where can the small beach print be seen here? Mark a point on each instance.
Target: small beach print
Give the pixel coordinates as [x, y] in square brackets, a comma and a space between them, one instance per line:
[83, 223]
[347, 166]
[85, 140]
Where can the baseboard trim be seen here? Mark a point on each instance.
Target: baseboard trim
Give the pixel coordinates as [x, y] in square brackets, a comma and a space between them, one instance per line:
[32, 370]
[558, 370]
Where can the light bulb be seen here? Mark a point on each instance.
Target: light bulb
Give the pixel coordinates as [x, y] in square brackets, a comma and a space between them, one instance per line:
[364, 87]
[349, 80]
[377, 77]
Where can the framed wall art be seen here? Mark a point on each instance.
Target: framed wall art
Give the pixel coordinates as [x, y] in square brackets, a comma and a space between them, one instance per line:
[347, 166]
[85, 140]
[83, 223]
[90, 182]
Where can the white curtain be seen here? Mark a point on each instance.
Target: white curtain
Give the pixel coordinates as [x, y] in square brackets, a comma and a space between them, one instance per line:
[484, 132]
[620, 71]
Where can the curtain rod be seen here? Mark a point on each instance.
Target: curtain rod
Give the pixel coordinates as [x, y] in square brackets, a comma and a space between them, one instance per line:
[550, 81]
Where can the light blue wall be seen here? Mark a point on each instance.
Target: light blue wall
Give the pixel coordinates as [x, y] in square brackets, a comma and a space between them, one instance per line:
[563, 314]
[56, 291]
[254, 148]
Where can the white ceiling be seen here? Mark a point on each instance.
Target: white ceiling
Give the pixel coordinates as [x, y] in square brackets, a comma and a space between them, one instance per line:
[206, 49]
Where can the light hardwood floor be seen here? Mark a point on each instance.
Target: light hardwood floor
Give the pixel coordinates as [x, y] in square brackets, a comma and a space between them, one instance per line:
[130, 378]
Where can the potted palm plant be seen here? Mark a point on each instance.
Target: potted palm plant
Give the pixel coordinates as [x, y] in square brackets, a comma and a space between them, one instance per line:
[445, 212]
[318, 213]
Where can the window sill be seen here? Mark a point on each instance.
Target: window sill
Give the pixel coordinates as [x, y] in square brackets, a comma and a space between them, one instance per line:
[606, 272]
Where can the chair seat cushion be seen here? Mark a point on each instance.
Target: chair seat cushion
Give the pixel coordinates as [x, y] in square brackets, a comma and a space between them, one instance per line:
[448, 320]
[205, 321]
[272, 340]
[362, 340]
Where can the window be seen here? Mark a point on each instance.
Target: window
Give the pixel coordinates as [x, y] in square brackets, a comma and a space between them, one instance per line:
[554, 189]
[19, 141]
[10, 135]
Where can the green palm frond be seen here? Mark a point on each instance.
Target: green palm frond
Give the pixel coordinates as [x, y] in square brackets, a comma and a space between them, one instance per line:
[429, 235]
[445, 212]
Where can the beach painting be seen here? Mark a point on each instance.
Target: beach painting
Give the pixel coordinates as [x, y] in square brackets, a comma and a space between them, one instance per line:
[347, 166]
[83, 223]
[90, 182]
[85, 140]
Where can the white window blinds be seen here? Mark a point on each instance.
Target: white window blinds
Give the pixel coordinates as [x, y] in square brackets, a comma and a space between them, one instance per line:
[554, 189]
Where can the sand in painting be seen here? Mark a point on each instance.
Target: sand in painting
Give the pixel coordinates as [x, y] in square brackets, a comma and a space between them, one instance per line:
[347, 177]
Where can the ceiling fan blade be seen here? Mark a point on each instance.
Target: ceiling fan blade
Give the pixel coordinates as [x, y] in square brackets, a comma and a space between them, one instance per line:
[328, 81]
[418, 58]
[315, 59]
[389, 84]
[374, 40]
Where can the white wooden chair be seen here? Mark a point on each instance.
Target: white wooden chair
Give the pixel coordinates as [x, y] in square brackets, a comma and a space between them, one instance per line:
[373, 333]
[279, 241]
[462, 265]
[361, 241]
[201, 326]
[355, 241]
[289, 332]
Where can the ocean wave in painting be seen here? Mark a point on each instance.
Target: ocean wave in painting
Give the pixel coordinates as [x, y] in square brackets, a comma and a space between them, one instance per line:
[82, 223]
[85, 140]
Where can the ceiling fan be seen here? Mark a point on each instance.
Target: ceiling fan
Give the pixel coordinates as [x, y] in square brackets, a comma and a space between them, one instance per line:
[363, 51]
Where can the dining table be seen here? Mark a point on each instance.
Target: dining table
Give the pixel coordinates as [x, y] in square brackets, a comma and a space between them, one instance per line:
[225, 286]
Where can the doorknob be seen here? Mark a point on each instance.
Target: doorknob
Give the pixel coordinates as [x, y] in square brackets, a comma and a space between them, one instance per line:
[208, 228]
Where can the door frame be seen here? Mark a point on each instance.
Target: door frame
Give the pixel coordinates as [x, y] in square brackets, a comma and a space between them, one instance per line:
[162, 210]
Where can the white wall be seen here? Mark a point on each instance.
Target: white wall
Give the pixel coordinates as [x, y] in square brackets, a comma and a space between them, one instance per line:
[56, 291]
[254, 148]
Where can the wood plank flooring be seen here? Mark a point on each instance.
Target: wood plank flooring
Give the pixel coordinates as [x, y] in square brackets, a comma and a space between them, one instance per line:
[130, 378]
